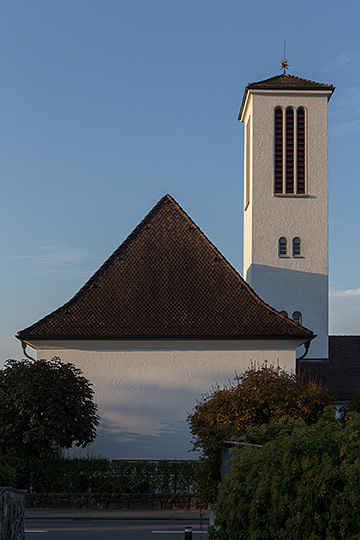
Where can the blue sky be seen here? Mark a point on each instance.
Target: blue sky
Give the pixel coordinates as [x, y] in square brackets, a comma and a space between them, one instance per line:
[109, 104]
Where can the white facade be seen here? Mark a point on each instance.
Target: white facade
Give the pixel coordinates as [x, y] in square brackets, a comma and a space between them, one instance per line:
[146, 389]
[288, 283]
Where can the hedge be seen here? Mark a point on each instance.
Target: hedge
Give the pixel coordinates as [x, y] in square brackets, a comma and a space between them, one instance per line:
[305, 483]
[84, 475]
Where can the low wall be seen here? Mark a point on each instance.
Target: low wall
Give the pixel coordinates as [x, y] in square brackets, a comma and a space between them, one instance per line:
[11, 514]
[112, 501]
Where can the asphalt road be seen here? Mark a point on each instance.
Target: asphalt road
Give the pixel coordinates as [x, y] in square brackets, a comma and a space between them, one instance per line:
[101, 529]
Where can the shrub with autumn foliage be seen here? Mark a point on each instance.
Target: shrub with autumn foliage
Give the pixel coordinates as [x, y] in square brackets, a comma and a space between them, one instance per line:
[259, 396]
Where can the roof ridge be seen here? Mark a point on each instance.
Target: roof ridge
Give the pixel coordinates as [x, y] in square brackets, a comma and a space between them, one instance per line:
[290, 76]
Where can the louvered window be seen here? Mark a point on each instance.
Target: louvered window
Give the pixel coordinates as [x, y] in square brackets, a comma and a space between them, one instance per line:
[289, 157]
[297, 317]
[290, 151]
[300, 150]
[278, 150]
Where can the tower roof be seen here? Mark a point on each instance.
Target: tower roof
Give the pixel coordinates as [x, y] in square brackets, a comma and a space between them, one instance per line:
[166, 280]
[285, 81]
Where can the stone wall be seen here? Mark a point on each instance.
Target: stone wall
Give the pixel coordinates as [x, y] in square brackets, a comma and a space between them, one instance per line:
[11, 514]
[112, 501]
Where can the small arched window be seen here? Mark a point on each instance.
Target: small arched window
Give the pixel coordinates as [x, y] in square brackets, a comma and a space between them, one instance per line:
[284, 313]
[283, 247]
[296, 247]
[297, 317]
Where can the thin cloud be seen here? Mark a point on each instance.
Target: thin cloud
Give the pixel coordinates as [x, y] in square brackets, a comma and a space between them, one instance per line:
[55, 259]
[341, 60]
[346, 293]
[345, 311]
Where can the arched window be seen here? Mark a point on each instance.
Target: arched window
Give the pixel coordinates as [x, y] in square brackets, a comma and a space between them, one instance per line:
[289, 156]
[283, 247]
[297, 317]
[296, 247]
[278, 150]
[290, 151]
[300, 151]
[284, 313]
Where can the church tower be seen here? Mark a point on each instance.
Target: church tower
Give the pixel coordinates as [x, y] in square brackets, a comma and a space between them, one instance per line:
[286, 199]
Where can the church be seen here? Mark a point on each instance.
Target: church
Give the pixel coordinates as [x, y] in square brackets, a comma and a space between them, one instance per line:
[166, 318]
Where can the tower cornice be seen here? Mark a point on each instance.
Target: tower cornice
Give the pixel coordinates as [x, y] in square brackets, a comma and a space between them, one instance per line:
[286, 83]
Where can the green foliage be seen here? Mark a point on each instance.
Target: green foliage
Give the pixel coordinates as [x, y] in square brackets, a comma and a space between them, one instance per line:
[260, 395]
[102, 476]
[7, 475]
[44, 404]
[304, 483]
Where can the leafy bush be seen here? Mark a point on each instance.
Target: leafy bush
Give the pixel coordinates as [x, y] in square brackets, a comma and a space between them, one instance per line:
[103, 476]
[45, 404]
[259, 396]
[304, 483]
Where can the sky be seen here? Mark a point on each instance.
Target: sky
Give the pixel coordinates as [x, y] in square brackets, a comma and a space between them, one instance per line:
[107, 105]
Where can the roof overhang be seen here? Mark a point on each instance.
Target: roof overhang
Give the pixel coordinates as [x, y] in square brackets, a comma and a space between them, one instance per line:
[321, 92]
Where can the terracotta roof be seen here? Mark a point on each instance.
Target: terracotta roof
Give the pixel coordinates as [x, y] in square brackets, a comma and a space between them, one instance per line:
[340, 374]
[285, 82]
[167, 280]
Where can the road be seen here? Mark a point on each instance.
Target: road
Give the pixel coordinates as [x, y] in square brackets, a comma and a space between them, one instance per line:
[101, 529]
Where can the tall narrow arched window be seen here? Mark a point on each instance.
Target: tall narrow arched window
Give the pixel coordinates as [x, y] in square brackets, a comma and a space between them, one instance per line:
[300, 151]
[283, 247]
[289, 152]
[296, 247]
[279, 150]
[297, 317]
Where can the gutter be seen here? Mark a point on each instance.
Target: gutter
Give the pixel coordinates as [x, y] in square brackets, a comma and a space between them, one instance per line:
[24, 345]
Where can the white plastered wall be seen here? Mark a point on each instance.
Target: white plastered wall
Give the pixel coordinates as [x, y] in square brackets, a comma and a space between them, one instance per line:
[145, 390]
[290, 284]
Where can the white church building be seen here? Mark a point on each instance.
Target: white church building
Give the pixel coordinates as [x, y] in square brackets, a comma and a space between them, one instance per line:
[166, 317]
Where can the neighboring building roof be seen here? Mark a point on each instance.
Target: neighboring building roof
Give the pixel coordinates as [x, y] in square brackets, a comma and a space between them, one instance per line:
[166, 280]
[285, 81]
[340, 374]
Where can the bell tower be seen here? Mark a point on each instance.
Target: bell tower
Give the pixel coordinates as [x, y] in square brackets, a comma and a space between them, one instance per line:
[286, 199]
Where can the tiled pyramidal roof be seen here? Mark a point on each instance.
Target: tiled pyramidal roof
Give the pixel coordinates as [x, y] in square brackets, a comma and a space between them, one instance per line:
[167, 280]
[288, 82]
[285, 81]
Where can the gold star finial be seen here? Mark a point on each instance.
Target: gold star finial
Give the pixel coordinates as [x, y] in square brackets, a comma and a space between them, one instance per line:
[284, 65]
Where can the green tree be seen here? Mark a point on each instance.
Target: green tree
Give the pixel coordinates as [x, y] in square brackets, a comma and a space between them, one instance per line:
[304, 483]
[259, 396]
[45, 404]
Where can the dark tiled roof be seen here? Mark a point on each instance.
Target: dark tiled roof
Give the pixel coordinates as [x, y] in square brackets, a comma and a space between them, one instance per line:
[285, 82]
[340, 374]
[167, 280]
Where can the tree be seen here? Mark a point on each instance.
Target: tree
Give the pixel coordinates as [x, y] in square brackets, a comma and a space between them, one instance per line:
[45, 404]
[303, 483]
[259, 396]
